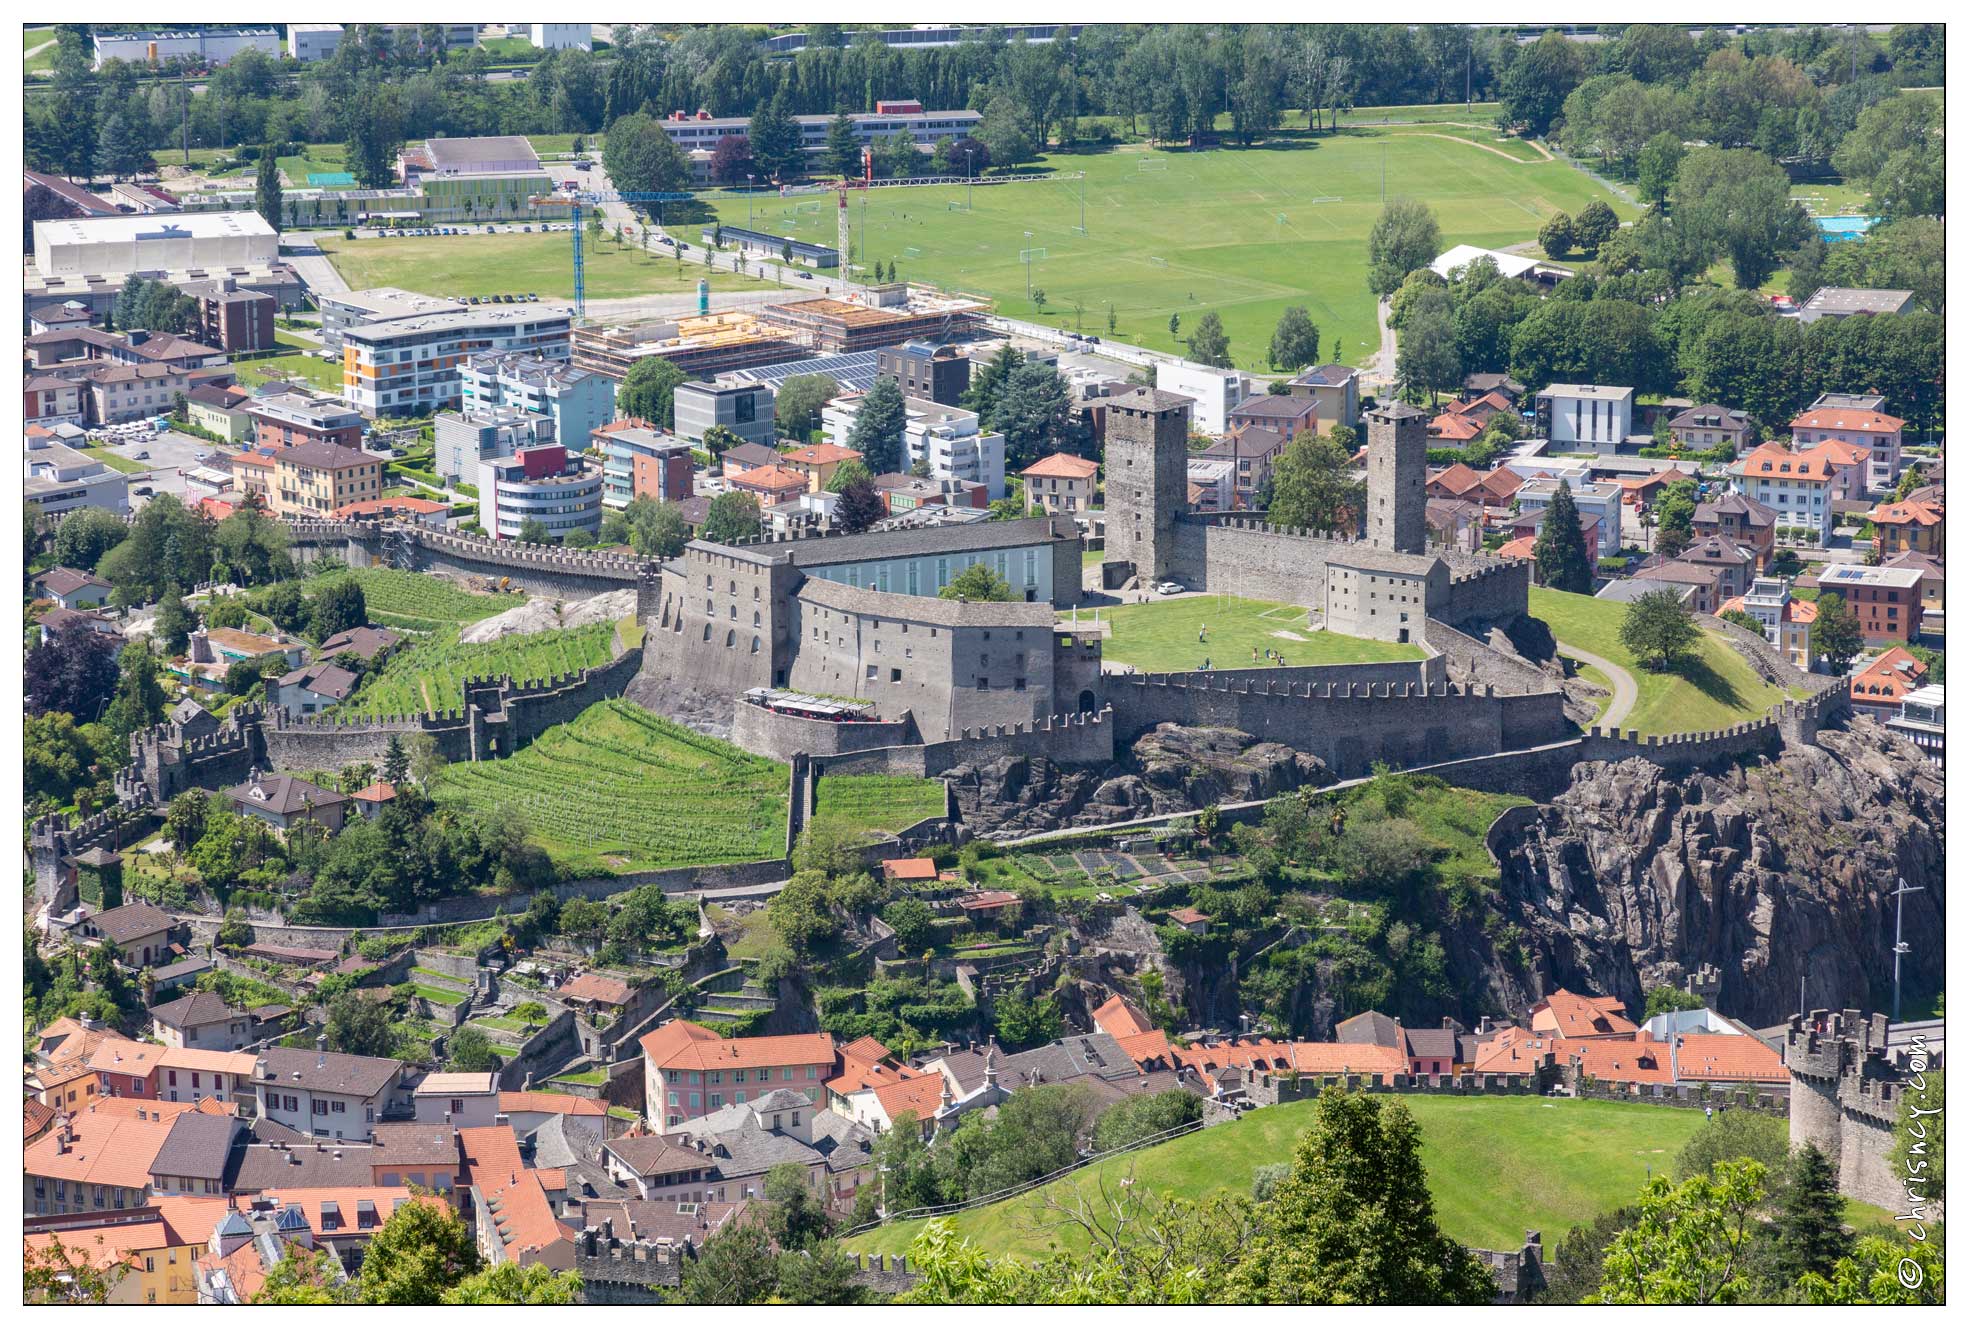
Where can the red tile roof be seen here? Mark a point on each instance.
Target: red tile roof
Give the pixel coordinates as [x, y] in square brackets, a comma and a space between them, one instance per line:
[1897, 672]
[1571, 1015]
[1064, 466]
[909, 869]
[565, 1105]
[681, 1045]
[596, 987]
[921, 1094]
[422, 507]
[1119, 1018]
[1870, 422]
[1906, 514]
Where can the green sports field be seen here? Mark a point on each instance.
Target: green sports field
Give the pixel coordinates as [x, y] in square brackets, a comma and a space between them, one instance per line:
[1244, 232]
[1161, 636]
[515, 264]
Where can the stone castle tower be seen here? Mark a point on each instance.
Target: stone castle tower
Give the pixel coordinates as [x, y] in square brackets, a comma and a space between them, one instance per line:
[1397, 476]
[1847, 1083]
[1148, 480]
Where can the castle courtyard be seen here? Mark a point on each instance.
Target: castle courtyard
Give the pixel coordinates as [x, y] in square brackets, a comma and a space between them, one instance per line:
[1162, 636]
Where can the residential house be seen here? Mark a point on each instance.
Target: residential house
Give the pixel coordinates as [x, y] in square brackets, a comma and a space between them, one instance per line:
[459, 1099]
[656, 1167]
[818, 462]
[1875, 431]
[1335, 391]
[1878, 687]
[745, 1141]
[642, 462]
[1886, 600]
[367, 644]
[1798, 486]
[140, 931]
[1255, 450]
[1710, 426]
[689, 1070]
[148, 1254]
[1060, 482]
[1285, 415]
[1906, 527]
[1481, 385]
[1458, 524]
[56, 397]
[507, 1204]
[1933, 582]
[1592, 499]
[98, 1158]
[1585, 417]
[194, 1156]
[284, 419]
[1921, 721]
[1212, 484]
[313, 688]
[1575, 1016]
[597, 994]
[1525, 526]
[1735, 564]
[189, 1075]
[283, 801]
[201, 1020]
[324, 1094]
[1786, 623]
[769, 484]
[313, 479]
[54, 620]
[528, 1110]
[1741, 520]
[1213, 393]
[72, 589]
[371, 799]
[221, 411]
[464, 438]
[935, 373]
[126, 1068]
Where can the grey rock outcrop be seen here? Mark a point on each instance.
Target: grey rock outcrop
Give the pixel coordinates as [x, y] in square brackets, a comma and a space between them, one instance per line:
[1769, 871]
[1172, 768]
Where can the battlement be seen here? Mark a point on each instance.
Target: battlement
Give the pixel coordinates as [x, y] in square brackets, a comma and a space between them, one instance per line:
[1827, 1043]
[56, 831]
[1263, 683]
[1238, 521]
[1045, 725]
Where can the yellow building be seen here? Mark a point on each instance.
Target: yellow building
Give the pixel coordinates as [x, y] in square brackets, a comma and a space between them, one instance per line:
[150, 1254]
[314, 479]
[818, 463]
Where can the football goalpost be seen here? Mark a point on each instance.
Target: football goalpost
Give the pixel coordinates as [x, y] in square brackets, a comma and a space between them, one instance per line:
[1149, 165]
[1031, 255]
[912, 251]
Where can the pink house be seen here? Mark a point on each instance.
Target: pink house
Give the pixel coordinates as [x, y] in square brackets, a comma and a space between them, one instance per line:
[688, 1070]
[1878, 433]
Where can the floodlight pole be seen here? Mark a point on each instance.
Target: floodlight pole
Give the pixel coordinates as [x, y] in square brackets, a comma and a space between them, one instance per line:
[970, 174]
[1901, 888]
[748, 200]
[1083, 202]
[1028, 258]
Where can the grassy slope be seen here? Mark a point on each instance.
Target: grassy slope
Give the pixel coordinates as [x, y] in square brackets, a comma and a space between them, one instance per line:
[1162, 635]
[429, 675]
[417, 602]
[1201, 234]
[1717, 691]
[1496, 1166]
[514, 264]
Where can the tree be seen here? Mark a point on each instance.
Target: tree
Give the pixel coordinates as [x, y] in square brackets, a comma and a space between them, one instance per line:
[1144, 1115]
[1659, 629]
[731, 160]
[861, 506]
[1836, 634]
[375, 126]
[471, 1050]
[640, 158]
[533, 531]
[736, 1267]
[1688, 1242]
[1729, 1136]
[1208, 343]
[396, 762]
[801, 399]
[59, 760]
[978, 582]
[139, 699]
[988, 382]
[913, 923]
[718, 440]
[649, 392]
[1354, 1223]
[1034, 410]
[1295, 341]
[510, 1285]
[1881, 1271]
[1405, 237]
[1895, 152]
[234, 931]
[899, 158]
[1559, 555]
[1002, 131]
[1740, 201]
[1426, 359]
[120, 146]
[1313, 487]
[823, 1276]
[1595, 225]
[731, 518]
[1675, 514]
[1747, 621]
[85, 535]
[1556, 237]
[1535, 87]
[266, 187]
[775, 140]
[795, 1217]
[1665, 998]
[1024, 1022]
[584, 918]
[878, 429]
[338, 606]
[304, 1277]
[420, 1252]
[843, 151]
[360, 1027]
[653, 529]
[1659, 160]
[1809, 1234]
[73, 671]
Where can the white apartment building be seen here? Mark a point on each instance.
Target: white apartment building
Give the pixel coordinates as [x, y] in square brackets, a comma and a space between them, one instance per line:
[1591, 498]
[1216, 392]
[947, 438]
[546, 484]
[414, 366]
[1584, 417]
[1799, 485]
[60, 478]
[1829, 420]
[561, 36]
[327, 1095]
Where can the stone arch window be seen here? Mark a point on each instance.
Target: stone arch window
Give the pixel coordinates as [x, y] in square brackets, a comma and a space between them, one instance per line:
[707, 632]
[731, 639]
[755, 618]
[755, 646]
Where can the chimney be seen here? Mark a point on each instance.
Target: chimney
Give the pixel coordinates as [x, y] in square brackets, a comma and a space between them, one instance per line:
[320, 1050]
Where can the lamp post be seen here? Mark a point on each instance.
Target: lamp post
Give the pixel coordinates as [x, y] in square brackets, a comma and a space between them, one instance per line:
[1028, 258]
[970, 174]
[748, 200]
[1901, 888]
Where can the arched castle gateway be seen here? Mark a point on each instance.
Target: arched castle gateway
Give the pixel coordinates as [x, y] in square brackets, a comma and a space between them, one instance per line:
[1388, 585]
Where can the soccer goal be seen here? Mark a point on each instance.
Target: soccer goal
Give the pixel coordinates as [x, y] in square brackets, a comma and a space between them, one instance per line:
[1326, 198]
[1148, 165]
[801, 208]
[912, 251]
[1031, 255]
[1158, 262]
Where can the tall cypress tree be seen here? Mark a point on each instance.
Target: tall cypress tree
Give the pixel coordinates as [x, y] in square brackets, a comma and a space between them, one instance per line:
[878, 428]
[1810, 1238]
[1559, 554]
[266, 187]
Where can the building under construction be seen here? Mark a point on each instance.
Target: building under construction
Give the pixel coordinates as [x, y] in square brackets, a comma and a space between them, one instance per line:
[709, 344]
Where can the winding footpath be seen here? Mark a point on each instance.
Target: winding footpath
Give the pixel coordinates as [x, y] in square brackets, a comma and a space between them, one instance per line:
[1625, 691]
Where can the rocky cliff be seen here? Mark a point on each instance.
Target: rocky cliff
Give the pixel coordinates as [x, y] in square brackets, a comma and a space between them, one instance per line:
[1172, 768]
[1771, 872]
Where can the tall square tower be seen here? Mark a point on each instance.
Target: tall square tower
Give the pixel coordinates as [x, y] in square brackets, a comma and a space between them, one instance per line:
[1148, 433]
[1397, 478]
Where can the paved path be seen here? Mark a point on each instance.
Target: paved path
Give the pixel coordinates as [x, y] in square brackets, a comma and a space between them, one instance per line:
[1380, 369]
[1625, 692]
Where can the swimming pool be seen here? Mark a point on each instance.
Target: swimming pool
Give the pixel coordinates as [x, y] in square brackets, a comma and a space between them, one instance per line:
[1844, 228]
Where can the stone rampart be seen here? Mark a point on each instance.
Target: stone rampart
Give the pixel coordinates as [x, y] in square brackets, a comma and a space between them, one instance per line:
[1069, 740]
[776, 735]
[54, 838]
[1848, 1087]
[1484, 590]
[537, 569]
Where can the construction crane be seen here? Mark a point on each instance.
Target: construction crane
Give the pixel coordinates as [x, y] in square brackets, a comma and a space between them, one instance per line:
[841, 212]
[574, 201]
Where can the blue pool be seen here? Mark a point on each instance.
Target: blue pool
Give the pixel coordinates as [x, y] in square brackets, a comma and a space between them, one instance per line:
[1844, 228]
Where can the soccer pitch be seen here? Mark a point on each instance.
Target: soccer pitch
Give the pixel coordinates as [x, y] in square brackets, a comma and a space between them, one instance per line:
[1245, 232]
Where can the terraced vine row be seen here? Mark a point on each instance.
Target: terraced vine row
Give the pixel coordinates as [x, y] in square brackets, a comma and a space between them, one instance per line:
[437, 667]
[422, 602]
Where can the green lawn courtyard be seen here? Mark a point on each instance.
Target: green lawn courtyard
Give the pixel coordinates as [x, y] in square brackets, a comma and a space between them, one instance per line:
[1243, 232]
[1716, 690]
[518, 263]
[1161, 636]
[1496, 1166]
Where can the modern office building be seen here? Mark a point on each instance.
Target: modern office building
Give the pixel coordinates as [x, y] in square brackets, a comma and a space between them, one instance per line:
[640, 462]
[940, 374]
[746, 409]
[308, 42]
[1215, 392]
[232, 317]
[946, 439]
[60, 478]
[560, 490]
[1585, 417]
[703, 131]
[414, 366]
[1887, 601]
[1920, 721]
[578, 401]
[203, 47]
[341, 310]
[466, 438]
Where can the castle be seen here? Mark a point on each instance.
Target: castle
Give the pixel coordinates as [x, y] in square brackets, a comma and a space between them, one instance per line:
[1847, 1084]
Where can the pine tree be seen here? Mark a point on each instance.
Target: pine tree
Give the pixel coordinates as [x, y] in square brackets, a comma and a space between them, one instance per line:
[843, 152]
[396, 762]
[879, 424]
[1559, 554]
[1809, 1231]
[266, 187]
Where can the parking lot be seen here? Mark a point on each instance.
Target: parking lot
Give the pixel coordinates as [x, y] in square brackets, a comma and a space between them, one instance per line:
[168, 454]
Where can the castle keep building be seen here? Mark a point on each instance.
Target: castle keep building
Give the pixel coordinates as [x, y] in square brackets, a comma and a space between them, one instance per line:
[1846, 1090]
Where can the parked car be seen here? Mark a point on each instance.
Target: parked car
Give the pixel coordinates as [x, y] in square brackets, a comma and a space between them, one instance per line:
[1169, 588]
[143, 454]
